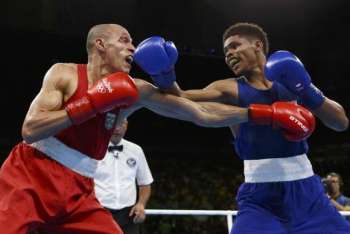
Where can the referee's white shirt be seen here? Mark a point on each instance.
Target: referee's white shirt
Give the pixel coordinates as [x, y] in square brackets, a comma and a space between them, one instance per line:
[115, 186]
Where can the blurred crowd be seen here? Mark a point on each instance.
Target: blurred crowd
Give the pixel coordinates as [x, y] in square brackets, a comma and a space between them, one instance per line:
[192, 185]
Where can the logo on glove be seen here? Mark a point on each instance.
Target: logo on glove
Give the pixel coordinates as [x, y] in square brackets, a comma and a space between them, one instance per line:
[104, 87]
[300, 124]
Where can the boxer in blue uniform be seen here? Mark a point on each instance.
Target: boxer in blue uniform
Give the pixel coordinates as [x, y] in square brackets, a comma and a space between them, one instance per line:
[281, 193]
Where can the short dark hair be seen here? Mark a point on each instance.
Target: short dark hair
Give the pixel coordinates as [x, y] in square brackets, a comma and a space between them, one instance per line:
[334, 174]
[249, 30]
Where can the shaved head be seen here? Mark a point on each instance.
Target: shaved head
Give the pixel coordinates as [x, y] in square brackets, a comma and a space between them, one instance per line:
[103, 31]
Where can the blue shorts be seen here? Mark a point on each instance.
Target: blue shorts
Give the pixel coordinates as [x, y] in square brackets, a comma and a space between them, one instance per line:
[299, 207]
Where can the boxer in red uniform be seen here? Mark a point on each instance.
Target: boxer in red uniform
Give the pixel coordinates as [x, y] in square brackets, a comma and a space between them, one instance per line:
[46, 182]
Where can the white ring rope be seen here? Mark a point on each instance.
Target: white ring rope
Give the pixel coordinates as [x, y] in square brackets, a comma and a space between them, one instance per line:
[227, 213]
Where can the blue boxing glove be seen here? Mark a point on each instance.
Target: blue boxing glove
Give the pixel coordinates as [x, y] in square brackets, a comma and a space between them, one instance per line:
[157, 58]
[285, 68]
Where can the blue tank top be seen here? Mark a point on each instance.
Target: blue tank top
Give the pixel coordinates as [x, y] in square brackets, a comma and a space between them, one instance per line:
[262, 141]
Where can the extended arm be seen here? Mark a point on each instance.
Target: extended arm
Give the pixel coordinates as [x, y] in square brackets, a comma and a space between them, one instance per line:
[295, 121]
[222, 91]
[203, 114]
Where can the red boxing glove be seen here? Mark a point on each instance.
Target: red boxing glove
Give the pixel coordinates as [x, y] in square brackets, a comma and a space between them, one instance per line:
[297, 122]
[115, 90]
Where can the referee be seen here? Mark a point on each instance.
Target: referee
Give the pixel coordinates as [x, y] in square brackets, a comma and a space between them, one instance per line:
[123, 170]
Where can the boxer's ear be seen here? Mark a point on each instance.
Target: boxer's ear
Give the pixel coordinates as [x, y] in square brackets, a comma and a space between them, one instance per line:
[99, 43]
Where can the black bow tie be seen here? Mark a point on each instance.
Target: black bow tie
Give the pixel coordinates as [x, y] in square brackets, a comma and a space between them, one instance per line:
[113, 148]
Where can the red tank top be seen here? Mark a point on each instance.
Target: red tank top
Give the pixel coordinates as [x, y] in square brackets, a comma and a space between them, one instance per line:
[92, 136]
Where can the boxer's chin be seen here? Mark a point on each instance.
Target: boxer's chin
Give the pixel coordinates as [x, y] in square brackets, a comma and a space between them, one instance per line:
[126, 68]
[237, 71]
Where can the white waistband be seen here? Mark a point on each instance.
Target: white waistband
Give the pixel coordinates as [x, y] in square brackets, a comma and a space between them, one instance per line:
[69, 157]
[277, 169]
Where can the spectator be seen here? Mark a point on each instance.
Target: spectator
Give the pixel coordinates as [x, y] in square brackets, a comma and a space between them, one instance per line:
[122, 168]
[333, 185]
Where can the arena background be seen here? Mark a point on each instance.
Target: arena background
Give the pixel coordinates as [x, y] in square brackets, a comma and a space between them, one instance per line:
[194, 168]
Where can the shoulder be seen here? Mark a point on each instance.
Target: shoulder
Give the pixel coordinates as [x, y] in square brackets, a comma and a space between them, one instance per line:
[61, 69]
[60, 74]
[223, 83]
[227, 87]
[131, 145]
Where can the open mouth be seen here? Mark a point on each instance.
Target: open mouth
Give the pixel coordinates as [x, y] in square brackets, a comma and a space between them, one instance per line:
[233, 61]
[129, 59]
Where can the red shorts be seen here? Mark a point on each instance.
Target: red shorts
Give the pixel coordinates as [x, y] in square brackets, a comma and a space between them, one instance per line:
[38, 192]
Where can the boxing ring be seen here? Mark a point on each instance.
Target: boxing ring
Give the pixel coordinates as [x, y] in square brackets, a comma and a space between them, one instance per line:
[228, 213]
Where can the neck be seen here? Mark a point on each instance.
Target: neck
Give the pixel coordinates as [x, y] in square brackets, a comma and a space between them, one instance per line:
[97, 68]
[257, 78]
[116, 141]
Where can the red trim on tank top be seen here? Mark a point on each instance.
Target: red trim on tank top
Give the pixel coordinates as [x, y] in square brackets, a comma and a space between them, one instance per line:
[82, 85]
